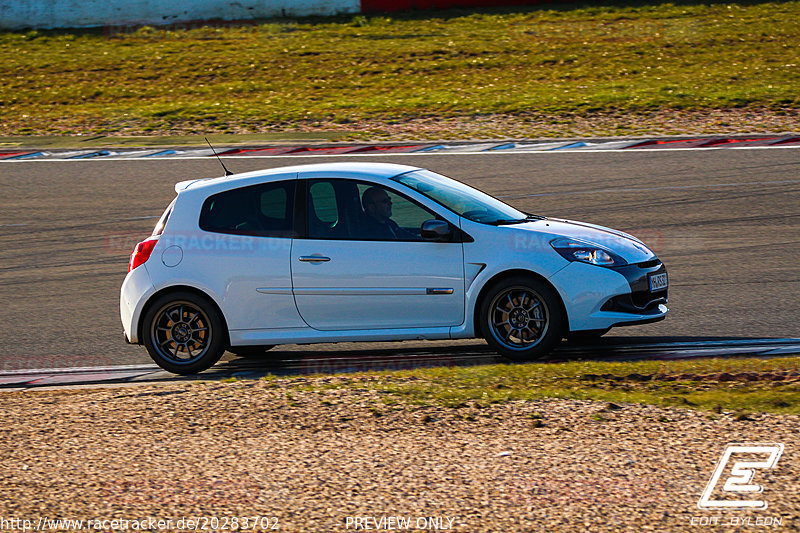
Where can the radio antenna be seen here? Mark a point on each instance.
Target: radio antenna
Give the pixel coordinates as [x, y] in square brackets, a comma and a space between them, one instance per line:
[227, 172]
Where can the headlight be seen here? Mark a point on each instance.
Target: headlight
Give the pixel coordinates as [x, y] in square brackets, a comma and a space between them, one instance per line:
[586, 252]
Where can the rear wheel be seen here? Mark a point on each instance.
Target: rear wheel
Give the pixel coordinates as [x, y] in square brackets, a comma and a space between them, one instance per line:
[183, 333]
[521, 318]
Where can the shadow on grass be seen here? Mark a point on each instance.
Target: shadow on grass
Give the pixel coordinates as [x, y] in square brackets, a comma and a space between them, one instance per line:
[294, 362]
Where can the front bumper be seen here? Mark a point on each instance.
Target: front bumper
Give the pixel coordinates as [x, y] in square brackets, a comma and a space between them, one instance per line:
[640, 300]
[598, 298]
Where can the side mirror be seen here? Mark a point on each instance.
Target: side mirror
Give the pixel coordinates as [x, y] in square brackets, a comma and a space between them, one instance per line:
[436, 230]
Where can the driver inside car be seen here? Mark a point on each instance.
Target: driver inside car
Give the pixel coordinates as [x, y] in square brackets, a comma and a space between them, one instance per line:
[378, 223]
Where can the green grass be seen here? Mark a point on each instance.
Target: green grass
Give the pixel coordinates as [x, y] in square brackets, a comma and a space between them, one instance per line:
[337, 73]
[590, 380]
[54, 142]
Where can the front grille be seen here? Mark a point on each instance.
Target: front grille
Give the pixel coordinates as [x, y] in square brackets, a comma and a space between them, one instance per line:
[637, 302]
[641, 300]
[647, 300]
[649, 264]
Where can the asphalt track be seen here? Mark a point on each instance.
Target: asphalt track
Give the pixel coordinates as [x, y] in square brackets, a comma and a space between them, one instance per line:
[725, 222]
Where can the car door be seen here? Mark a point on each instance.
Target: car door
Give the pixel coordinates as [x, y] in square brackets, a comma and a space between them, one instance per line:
[348, 277]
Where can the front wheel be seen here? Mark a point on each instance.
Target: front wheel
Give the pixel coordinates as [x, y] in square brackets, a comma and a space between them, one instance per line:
[184, 333]
[521, 318]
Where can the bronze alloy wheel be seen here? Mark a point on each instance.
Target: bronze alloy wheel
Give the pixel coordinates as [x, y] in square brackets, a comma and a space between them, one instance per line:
[185, 333]
[181, 332]
[522, 318]
[518, 318]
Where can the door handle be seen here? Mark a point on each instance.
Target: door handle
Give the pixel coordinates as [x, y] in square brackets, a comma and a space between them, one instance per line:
[314, 258]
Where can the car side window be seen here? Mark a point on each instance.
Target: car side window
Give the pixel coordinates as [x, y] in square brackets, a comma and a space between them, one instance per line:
[322, 204]
[408, 215]
[351, 210]
[259, 210]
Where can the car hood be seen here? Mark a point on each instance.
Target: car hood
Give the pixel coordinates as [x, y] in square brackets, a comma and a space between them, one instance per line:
[626, 246]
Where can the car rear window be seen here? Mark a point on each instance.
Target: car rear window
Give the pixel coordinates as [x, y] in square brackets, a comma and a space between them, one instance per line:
[261, 210]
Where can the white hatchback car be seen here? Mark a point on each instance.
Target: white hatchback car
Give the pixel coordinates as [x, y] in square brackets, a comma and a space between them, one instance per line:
[373, 252]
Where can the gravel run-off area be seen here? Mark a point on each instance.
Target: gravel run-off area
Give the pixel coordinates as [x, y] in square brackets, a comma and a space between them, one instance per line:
[321, 459]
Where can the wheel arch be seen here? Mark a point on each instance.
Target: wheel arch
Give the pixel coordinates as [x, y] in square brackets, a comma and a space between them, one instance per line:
[181, 288]
[482, 295]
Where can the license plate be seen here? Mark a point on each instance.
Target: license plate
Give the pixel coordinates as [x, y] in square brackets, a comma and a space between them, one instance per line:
[658, 281]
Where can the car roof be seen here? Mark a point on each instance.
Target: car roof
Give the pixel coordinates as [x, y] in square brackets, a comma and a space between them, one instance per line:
[349, 169]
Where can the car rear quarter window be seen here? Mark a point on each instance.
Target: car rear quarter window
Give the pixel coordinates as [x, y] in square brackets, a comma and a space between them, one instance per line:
[162, 222]
[259, 210]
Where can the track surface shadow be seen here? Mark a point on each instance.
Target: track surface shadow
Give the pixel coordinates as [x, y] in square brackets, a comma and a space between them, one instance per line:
[298, 361]
[306, 362]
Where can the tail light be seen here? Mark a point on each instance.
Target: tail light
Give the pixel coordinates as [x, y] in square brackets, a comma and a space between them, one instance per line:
[142, 252]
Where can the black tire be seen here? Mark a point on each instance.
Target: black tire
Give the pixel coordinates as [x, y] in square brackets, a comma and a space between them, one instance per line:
[184, 333]
[522, 318]
[251, 352]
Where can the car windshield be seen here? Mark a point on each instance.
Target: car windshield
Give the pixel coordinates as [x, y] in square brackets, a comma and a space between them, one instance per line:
[462, 199]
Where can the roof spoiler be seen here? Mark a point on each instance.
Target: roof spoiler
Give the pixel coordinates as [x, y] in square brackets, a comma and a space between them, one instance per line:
[182, 185]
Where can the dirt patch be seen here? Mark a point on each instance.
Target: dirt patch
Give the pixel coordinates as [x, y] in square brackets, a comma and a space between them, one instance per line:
[314, 458]
[786, 376]
[475, 127]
